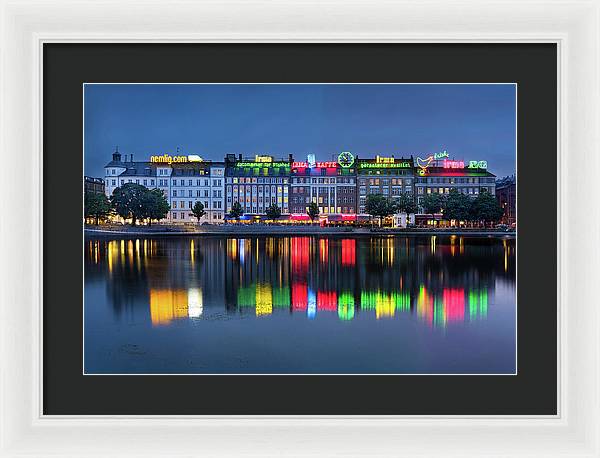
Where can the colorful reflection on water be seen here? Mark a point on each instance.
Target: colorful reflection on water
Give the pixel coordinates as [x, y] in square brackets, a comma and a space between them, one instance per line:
[432, 282]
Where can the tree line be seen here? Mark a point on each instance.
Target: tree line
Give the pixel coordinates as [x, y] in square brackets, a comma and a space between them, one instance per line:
[452, 206]
[130, 201]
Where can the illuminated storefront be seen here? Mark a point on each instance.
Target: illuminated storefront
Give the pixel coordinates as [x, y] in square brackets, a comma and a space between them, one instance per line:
[329, 184]
[384, 175]
[257, 183]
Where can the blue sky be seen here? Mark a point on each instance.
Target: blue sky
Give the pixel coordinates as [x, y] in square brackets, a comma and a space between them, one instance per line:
[471, 122]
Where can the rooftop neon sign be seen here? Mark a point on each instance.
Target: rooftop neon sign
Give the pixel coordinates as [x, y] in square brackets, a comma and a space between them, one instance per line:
[263, 164]
[168, 159]
[305, 164]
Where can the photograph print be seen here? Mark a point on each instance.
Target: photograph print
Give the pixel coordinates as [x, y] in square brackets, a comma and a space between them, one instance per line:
[289, 229]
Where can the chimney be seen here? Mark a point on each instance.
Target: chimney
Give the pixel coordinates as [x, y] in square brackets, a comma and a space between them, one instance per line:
[132, 158]
[240, 157]
[291, 157]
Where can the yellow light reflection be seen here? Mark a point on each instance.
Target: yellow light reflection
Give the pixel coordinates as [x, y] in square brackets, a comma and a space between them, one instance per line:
[167, 305]
[264, 299]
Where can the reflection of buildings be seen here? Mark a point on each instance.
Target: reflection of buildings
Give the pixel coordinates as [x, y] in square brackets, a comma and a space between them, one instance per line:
[440, 280]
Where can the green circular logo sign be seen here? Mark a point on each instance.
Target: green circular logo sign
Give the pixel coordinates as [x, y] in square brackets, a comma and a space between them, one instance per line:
[346, 159]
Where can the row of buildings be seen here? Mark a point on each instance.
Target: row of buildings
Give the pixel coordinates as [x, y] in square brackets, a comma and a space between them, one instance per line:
[339, 187]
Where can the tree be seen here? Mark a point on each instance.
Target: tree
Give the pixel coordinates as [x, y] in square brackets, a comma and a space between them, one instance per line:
[128, 201]
[198, 210]
[95, 206]
[379, 206]
[457, 206]
[486, 208]
[405, 204]
[273, 212]
[236, 211]
[433, 203]
[154, 205]
[313, 211]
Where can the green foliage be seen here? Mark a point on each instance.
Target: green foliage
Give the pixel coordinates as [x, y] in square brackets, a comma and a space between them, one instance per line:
[273, 212]
[198, 210]
[457, 206]
[154, 205]
[379, 206]
[313, 211]
[405, 204]
[236, 211]
[95, 206]
[138, 202]
[486, 208]
[433, 203]
[128, 201]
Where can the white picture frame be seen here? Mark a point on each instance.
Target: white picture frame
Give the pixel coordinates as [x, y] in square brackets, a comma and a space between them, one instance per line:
[572, 25]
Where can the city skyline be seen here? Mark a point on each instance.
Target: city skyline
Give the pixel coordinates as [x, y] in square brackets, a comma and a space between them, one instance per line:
[476, 121]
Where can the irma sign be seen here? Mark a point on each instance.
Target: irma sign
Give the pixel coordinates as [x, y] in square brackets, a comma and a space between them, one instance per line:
[446, 163]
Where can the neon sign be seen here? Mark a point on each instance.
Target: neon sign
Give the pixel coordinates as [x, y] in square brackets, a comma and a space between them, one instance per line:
[478, 164]
[258, 158]
[384, 165]
[346, 159]
[168, 159]
[262, 164]
[305, 164]
[447, 164]
[424, 164]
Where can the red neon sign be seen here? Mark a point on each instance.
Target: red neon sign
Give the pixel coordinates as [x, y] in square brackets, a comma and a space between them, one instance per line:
[453, 164]
[324, 165]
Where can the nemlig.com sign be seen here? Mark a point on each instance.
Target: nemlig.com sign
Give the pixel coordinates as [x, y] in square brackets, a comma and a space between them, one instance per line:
[168, 159]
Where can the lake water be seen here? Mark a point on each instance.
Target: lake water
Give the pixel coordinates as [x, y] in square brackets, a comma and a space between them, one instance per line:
[299, 305]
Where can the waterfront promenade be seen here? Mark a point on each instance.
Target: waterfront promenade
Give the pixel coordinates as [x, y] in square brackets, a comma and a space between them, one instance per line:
[258, 230]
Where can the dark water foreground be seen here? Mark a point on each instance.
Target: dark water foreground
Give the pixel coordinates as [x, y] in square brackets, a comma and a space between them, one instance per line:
[305, 304]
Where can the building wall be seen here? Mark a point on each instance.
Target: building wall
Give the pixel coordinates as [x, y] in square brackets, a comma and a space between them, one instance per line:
[95, 185]
[256, 186]
[182, 185]
[506, 194]
[465, 181]
[388, 176]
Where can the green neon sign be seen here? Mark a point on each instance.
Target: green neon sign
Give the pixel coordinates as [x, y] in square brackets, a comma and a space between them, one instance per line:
[385, 165]
[263, 164]
[346, 159]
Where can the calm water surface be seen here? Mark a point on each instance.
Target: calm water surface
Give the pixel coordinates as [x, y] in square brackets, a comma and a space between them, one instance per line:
[384, 304]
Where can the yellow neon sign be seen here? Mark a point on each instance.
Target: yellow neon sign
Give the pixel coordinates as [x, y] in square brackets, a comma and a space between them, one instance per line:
[168, 159]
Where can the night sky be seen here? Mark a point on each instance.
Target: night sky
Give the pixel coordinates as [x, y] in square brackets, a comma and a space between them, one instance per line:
[471, 122]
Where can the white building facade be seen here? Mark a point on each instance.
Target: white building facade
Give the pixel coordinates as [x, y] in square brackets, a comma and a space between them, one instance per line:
[183, 183]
